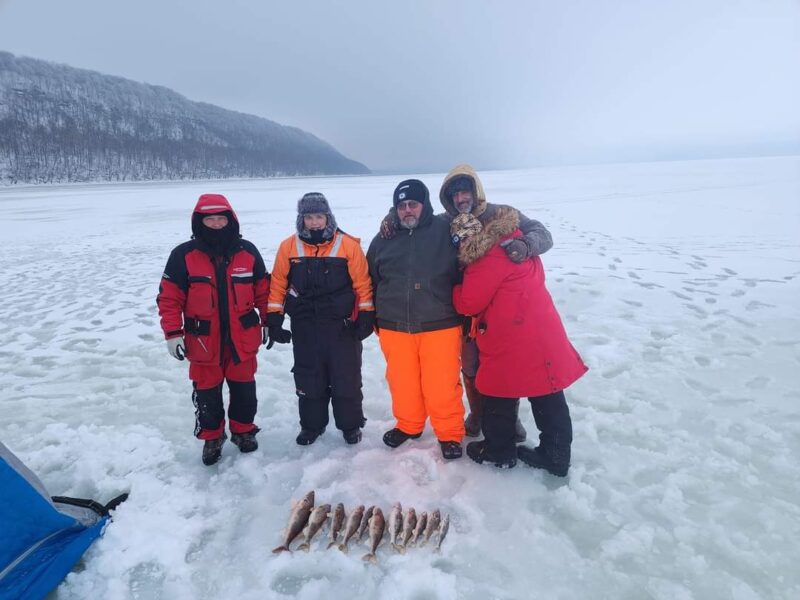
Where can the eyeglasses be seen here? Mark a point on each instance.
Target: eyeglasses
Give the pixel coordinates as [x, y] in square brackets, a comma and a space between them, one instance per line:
[408, 205]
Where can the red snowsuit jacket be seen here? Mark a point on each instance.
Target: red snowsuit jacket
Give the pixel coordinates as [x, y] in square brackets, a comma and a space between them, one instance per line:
[213, 302]
[524, 350]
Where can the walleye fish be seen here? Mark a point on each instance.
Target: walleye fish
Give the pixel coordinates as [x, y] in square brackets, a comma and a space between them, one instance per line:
[365, 522]
[353, 523]
[297, 521]
[443, 529]
[409, 523]
[395, 524]
[336, 523]
[421, 523]
[433, 525]
[377, 525]
[315, 523]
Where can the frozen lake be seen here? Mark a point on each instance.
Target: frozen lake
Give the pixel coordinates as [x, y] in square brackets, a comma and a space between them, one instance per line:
[679, 283]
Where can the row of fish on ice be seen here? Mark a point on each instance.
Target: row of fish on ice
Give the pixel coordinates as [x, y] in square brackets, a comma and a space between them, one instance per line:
[405, 530]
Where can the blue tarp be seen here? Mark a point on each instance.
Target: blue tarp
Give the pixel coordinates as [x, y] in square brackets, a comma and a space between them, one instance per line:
[40, 541]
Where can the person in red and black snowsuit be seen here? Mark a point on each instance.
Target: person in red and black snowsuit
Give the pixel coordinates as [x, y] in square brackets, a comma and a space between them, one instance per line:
[213, 305]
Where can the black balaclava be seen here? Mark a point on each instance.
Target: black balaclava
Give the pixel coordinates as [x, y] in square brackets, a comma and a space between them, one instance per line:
[218, 240]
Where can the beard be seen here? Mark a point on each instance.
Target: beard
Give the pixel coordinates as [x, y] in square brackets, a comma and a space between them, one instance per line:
[409, 222]
[464, 207]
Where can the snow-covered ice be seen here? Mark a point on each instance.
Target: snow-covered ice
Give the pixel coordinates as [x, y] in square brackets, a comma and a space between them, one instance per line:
[678, 283]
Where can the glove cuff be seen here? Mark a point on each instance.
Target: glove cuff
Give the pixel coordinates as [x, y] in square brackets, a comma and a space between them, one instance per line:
[274, 319]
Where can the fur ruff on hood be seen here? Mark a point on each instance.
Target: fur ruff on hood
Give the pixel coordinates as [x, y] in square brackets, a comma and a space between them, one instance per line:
[480, 196]
[315, 203]
[504, 223]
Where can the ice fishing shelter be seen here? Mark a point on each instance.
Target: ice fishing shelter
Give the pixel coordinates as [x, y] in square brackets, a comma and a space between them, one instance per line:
[41, 538]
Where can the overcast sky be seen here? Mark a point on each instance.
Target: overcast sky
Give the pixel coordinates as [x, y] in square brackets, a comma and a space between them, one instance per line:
[422, 85]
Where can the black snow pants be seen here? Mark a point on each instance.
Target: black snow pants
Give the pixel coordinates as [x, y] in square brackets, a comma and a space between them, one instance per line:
[551, 414]
[327, 368]
[210, 410]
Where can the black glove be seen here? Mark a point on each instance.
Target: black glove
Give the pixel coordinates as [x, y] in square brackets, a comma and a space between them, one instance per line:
[365, 322]
[389, 225]
[516, 249]
[275, 330]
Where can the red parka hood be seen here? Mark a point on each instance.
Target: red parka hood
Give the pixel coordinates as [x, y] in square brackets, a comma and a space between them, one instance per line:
[212, 204]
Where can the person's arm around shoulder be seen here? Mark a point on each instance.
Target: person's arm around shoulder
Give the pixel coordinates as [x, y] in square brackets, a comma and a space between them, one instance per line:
[537, 237]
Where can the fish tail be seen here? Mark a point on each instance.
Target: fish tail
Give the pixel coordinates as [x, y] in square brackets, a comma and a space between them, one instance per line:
[280, 549]
[397, 548]
[370, 558]
[305, 547]
[331, 545]
[343, 548]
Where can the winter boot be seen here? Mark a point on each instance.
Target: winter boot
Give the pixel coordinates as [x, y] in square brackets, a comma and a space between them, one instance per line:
[394, 437]
[246, 441]
[450, 450]
[479, 452]
[472, 424]
[536, 458]
[551, 414]
[308, 436]
[352, 436]
[212, 450]
[520, 434]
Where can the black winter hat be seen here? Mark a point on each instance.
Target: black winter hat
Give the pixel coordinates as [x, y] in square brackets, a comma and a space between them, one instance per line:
[459, 183]
[410, 189]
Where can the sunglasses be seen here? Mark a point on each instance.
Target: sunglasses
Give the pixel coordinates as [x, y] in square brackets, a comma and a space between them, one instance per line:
[408, 205]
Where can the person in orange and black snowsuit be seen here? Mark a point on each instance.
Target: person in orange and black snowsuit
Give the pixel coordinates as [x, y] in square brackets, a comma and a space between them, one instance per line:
[413, 275]
[321, 280]
[212, 299]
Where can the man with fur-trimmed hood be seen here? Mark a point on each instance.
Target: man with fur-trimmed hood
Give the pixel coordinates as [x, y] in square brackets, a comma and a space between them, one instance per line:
[321, 280]
[462, 193]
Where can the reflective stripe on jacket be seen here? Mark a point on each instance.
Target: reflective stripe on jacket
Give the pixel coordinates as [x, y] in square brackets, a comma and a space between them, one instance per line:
[327, 280]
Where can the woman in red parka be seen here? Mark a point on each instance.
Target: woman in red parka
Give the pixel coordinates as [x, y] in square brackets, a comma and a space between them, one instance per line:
[523, 348]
